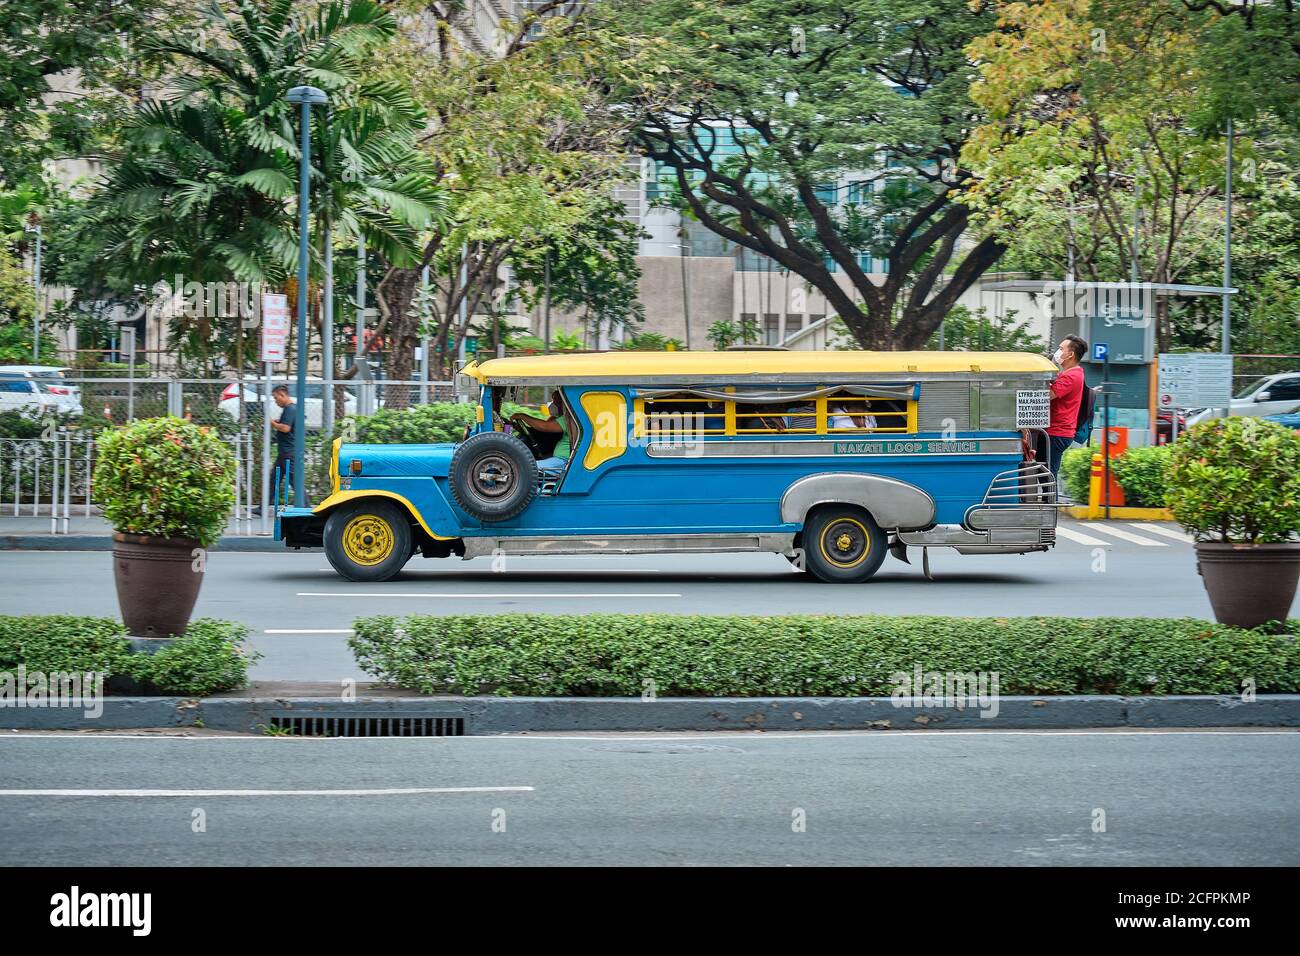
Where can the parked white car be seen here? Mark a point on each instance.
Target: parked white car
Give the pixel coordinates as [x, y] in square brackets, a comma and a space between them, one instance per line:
[254, 399]
[39, 389]
[1273, 395]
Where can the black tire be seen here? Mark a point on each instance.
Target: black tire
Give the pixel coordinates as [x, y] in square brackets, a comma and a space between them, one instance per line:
[843, 545]
[368, 540]
[493, 476]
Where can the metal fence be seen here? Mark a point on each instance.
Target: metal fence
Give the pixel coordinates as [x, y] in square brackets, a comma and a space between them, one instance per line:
[52, 477]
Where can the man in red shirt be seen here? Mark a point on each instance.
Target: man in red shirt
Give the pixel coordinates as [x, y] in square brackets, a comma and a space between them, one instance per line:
[1067, 393]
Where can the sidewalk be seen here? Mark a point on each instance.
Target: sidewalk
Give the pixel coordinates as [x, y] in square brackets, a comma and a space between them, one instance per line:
[29, 532]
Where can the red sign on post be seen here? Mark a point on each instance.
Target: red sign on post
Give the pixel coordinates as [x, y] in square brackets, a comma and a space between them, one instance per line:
[275, 326]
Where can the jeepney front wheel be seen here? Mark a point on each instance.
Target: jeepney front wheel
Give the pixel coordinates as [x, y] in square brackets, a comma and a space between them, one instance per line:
[843, 545]
[368, 540]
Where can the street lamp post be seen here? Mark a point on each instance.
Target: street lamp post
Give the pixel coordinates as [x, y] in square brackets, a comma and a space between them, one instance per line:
[306, 97]
[686, 289]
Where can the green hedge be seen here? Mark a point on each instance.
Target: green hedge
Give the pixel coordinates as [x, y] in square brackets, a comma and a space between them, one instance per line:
[1076, 464]
[208, 658]
[1143, 474]
[615, 654]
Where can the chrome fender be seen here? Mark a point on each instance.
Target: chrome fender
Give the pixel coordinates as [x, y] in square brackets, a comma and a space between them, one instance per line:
[893, 503]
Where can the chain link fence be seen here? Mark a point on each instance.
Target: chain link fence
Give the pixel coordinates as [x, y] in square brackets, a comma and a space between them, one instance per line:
[94, 402]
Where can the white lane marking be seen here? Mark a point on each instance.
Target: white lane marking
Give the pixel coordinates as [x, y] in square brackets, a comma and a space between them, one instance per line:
[295, 630]
[491, 595]
[259, 793]
[1127, 536]
[1156, 529]
[1078, 537]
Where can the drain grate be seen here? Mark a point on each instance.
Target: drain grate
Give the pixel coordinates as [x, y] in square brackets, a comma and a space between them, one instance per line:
[364, 726]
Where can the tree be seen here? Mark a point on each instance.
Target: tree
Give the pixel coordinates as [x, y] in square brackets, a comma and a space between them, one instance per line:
[45, 40]
[967, 331]
[592, 270]
[1249, 57]
[725, 333]
[1089, 125]
[529, 148]
[763, 109]
[204, 183]
[1265, 259]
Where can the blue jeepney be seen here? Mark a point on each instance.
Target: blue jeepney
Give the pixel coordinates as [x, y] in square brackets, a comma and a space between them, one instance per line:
[829, 458]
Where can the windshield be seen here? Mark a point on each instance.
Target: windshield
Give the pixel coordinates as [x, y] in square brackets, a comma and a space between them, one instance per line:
[1250, 389]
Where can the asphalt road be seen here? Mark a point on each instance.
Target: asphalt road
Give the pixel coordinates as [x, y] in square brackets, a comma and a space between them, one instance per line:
[920, 798]
[300, 611]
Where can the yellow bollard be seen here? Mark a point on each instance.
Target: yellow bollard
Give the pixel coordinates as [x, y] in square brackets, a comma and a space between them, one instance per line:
[1094, 487]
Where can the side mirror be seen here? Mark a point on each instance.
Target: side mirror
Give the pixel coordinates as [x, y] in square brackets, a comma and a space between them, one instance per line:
[1263, 396]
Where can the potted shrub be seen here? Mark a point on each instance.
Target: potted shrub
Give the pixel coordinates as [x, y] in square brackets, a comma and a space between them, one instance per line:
[167, 487]
[1234, 484]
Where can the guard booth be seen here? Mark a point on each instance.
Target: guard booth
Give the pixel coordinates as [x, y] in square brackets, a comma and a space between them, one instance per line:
[1120, 315]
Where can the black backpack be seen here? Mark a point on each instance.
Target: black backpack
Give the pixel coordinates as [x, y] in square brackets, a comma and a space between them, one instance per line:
[1087, 405]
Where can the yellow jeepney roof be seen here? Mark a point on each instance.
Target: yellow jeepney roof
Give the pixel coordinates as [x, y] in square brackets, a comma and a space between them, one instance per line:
[766, 366]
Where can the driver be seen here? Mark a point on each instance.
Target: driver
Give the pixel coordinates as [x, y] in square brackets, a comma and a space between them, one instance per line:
[558, 422]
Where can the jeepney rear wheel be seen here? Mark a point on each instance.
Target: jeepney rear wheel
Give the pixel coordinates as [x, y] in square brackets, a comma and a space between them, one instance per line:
[493, 476]
[368, 540]
[843, 545]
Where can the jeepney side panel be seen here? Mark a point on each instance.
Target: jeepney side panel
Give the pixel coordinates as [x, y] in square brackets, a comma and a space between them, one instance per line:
[722, 489]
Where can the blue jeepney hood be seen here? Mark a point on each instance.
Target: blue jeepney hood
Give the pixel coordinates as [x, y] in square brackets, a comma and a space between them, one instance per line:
[378, 461]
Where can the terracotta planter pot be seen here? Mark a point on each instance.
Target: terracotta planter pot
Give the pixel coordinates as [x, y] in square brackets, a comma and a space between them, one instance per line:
[156, 583]
[1249, 584]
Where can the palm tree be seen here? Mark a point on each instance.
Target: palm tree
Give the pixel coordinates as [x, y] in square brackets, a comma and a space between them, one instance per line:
[205, 183]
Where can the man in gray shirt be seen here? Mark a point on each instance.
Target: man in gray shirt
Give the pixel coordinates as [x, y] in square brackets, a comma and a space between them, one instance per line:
[285, 433]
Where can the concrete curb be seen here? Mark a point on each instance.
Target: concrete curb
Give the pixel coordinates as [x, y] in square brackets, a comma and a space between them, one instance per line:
[100, 542]
[501, 715]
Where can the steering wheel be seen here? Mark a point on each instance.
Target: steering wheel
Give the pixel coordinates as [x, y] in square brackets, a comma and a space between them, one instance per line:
[526, 436]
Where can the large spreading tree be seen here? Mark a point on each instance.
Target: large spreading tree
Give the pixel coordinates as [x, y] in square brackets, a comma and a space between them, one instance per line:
[760, 106]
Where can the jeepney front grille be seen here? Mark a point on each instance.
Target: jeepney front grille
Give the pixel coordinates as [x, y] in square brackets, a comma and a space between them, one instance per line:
[370, 726]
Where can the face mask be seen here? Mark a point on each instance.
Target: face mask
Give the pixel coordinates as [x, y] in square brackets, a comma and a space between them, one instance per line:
[1057, 358]
[554, 410]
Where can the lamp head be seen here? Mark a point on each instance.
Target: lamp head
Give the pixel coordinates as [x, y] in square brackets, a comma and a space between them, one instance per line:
[307, 94]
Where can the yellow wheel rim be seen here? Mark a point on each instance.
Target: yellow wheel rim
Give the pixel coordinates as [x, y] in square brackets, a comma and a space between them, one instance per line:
[367, 540]
[845, 542]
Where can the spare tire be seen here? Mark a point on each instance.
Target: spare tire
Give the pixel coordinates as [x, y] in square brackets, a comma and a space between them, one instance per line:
[493, 476]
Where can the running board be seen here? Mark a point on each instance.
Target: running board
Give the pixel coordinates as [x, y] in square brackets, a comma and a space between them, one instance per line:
[628, 544]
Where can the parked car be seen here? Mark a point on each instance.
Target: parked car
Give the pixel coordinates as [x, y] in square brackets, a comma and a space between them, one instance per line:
[39, 388]
[1291, 420]
[1272, 395]
[1165, 424]
[254, 399]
